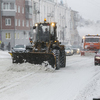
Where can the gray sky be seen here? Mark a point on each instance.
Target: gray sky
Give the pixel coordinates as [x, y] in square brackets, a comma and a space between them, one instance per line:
[88, 9]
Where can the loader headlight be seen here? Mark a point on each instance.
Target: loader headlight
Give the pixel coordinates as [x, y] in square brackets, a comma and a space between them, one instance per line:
[97, 57]
[55, 41]
[52, 24]
[36, 24]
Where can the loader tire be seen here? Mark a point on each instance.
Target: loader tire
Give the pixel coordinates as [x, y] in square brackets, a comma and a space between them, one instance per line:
[63, 59]
[57, 55]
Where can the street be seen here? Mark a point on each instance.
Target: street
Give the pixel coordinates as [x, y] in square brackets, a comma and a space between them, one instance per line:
[79, 80]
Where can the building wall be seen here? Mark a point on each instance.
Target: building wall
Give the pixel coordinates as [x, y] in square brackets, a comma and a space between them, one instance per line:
[17, 33]
[0, 14]
[4, 26]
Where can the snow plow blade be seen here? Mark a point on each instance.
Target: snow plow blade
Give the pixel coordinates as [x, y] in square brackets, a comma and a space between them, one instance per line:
[34, 58]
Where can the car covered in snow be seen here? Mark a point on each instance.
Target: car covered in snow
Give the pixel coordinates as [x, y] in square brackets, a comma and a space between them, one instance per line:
[97, 58]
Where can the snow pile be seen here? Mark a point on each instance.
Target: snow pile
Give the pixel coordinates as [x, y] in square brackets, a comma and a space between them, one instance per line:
[27, 67]
[4, 54]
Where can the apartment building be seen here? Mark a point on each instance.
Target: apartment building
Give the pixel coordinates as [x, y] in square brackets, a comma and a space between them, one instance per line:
[15, 21]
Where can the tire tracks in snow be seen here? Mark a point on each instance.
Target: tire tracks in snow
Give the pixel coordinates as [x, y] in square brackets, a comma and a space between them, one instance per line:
[14, 82]
[88, 92]
[18, 81]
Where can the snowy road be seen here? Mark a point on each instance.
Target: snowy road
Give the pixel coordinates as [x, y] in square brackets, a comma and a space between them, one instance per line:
[80, 80]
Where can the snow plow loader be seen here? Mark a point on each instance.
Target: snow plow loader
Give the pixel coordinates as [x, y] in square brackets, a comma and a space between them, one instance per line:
[91, 44]
[45, 47]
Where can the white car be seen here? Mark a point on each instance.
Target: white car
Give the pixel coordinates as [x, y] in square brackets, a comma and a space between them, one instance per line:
[68, 51]
[19, 48]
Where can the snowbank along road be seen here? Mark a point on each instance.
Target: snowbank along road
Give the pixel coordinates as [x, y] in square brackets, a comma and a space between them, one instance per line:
[79, 80]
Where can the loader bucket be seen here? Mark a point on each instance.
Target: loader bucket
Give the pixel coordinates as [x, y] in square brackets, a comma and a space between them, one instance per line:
[34, 58]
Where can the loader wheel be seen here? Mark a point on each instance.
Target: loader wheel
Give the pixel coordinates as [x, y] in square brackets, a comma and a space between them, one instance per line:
[63, 59]
[57, 55]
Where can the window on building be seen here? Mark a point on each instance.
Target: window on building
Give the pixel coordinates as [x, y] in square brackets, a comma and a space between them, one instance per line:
[16, 22]
[8, 21]
[8, 6]
[11, 5]
[18, 9]
[15, 35]
[23, 10]
[8, 36]
[34, 5]
[27, 23]
[29, 10]
[19, 22]
[44, 10]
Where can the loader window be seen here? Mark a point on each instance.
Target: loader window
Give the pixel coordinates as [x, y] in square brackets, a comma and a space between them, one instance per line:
[52, 30]
[52, 33]
[43, 31]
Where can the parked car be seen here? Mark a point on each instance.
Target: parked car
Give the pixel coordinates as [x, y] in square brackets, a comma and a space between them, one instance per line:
[68, 51]
[19, 48]
[97, 58]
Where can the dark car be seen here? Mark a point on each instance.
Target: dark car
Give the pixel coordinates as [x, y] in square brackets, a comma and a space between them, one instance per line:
[97, 58]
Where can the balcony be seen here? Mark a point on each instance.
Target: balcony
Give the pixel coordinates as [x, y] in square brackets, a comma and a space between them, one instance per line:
[28, 2]
[8, 1]
[8, 13]
[8, 8]
[28, 16]
[28, 10]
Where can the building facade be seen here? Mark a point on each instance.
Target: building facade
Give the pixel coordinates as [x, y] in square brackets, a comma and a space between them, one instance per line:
[75, 38]
[15, 21]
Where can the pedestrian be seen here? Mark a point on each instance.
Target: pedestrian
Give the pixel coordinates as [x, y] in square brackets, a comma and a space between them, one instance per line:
[9, 46]
[2, 46]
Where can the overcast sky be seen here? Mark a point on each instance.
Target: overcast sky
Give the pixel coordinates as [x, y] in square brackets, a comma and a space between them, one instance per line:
[88, 9]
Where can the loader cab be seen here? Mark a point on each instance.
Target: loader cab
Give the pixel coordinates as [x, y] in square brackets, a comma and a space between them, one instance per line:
[45, 31]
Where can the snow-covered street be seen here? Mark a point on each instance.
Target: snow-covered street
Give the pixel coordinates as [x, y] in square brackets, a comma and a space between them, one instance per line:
[79, 80]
